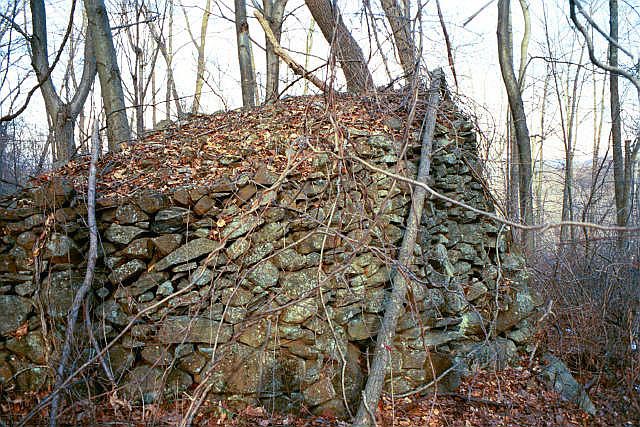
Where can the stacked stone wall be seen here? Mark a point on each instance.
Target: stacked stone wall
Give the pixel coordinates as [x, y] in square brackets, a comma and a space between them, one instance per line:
[265, 288]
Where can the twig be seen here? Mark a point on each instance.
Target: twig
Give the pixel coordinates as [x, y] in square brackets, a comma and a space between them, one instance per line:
[88, 278]
[295, 67]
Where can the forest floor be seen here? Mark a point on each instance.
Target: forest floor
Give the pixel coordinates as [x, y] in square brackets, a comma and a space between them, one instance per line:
[511, 397]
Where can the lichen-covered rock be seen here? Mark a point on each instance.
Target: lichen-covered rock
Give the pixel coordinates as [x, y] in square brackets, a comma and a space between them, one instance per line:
[30, 346]
[192, 250]
[170, 220]
[139, 248]
[130, 214]
[298, 283]
[186, 329]
[319, 392]
[60, 249]
[127, 271]
[122, 234]
[240, 226]
[14, 310]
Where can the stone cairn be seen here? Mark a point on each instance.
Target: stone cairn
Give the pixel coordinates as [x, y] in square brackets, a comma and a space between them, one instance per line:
[280, 288]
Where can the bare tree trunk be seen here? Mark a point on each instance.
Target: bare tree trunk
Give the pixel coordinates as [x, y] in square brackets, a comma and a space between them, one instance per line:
[274, 13]
[519, 120]
[118, 130]
[395, 304]
[195, 107]
[614, 106]
[349, 54]
[400, 22]
[166, 49]
[245, 56]
[62, 116]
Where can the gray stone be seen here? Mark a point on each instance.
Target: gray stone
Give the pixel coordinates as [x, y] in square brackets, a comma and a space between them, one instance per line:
[186, 329]
[253, 335]
[111, 311]
[258, 253]
[127, 271]
[475, 291]
[170, 220]
[298, 313]
[156, 355]
[60, 249]
[121, 359]
[145, 283]
[521, 308]
[122, 234]
[30, 346]
[558, 376]
[129, 214]
[236, 296]
[264, 275]
[139, 248]
[319, 392]
[380, 141]
[202, 276]
[363, 327]
[297, 283]
[238, 248]
[193, 363]
[186, 267]
[146, 297]
[165, 288]
[63, 286]
[192, 250]
[240, 226]
[145, 384]
[25, 289]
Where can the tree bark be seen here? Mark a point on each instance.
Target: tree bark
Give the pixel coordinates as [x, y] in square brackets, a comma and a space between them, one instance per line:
[62, 114]
[395, 304]
[118, 130]
[518, 113]
[274, 13]
[616, 126]
[195, 107]
[349, 54]
[400, 23]
[166, 49]
[245, 56]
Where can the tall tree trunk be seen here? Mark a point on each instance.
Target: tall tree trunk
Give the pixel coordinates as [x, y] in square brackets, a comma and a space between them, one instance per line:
[245, 56]
[195, 107]
[118, 130]
[166, 49]
[616, 127]
[400, 23]
[62, 115]
[519, 120]
[274, 13]
[349, 54]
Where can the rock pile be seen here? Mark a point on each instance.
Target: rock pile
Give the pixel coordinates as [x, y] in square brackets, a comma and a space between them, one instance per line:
[269, 288]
